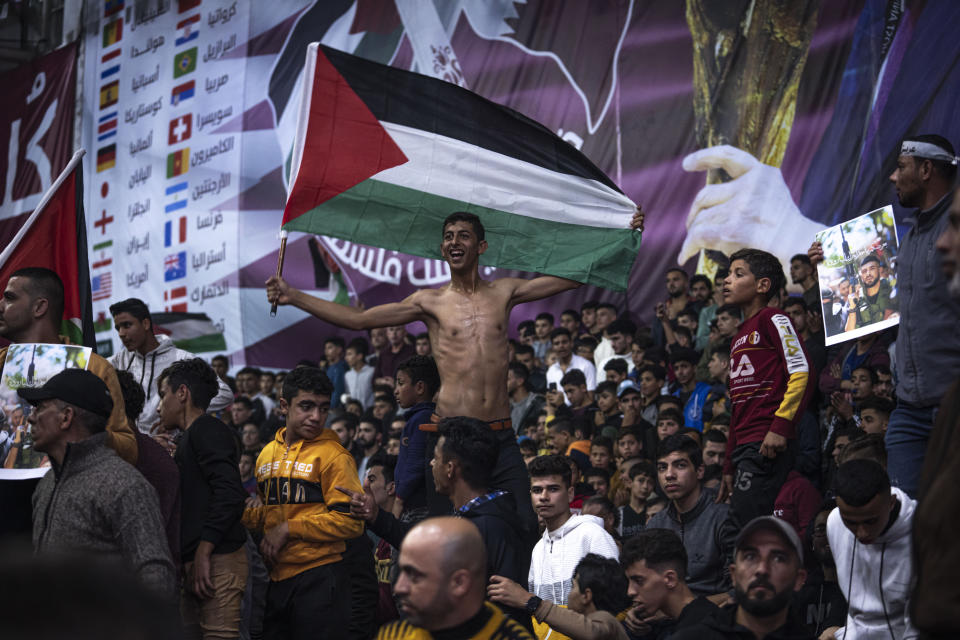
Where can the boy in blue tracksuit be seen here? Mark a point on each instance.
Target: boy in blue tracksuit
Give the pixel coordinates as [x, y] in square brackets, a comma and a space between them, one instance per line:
[417, 381]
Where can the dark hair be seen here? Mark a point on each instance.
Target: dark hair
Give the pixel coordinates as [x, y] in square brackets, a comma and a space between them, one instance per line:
[545, 316]
[644, 467]
[946, 169]
[623, 325]
[607, 305]
[133, 396]
[878, 404]
[712, 472]
[607, 386]
[631, 430]
[691, 313]
[730, 310]
[682, 444]
[469, 218]
[686, 276]
[422, 369]
[720, 418]
[714, 435]
[585, 341]
[658, 372]
[602, 441]
[134, 306]
[245, 401]
[559, 331]
[571, 312]
[220, 357]
[197, 376]
[882, 369]
[271, 374]
[44, 283]
[667, 399]
[722, 349]
[671, 414]
[683, 354]
[360, 345]
[309, 379]
[472, 444]
[659, 549]
[597, 471]
[551, 465]
[520, 370]
[763, 265]
[388, 462]
[794, 301]
[527, 326]
[616, 364]
[868, 446]
[589, 304]
[860, 481]
[334, 340]
[699, 277]
[606, 581]
[523, 350]
[870, 258]
[574, 377]
[802, 257]
[249, 370]
[566, 426]
[870, 372]
[351, 421]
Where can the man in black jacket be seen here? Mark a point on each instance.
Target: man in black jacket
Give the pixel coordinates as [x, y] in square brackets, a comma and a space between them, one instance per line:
[767, 570]
[463, 462]
[211, 533]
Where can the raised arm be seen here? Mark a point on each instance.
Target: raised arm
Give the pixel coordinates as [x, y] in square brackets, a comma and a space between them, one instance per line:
[385, 315]
[539, 288]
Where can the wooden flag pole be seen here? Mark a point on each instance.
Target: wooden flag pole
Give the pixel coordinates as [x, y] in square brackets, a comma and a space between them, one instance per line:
[280, 255]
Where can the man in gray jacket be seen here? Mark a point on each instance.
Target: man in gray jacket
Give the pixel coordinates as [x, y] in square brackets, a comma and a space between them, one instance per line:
[694, 515]
[145, 355]
[91, 501]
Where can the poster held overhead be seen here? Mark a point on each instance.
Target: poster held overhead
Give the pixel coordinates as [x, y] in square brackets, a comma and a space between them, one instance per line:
[858, 276]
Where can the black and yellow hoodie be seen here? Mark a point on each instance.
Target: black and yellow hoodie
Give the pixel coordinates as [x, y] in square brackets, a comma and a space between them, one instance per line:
[296, 484]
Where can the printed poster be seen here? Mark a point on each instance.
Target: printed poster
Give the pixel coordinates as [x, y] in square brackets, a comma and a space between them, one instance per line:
[858, 276]
[29, 365]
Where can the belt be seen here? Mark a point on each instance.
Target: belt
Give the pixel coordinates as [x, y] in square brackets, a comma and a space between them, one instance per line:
[495, 425]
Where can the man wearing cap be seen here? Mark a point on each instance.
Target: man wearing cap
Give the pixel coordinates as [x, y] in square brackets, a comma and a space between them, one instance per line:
[92, 501]
[31, 311]
[928, 344]
[767, 570]
[872, 300]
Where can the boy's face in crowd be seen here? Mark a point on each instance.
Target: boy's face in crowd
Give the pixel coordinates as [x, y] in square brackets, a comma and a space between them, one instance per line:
[615, 376]
[722, 428]
[377, 485]
[340, 428]
[599, 457]
[870, 520]
[558, 441]
[727, 324]
[714, 452]
[352, 357]
[649, 385]
[423, 346]
[798, 316]
[636, 354]
[541, 429]
[884, 386]
[872, 421]
[717, 366]
[220, 367]
[240, 413]
[838, 446]
[585, 351]
[570, 323]
[381, 406]
[684, 372]
[641, 487]
[246, 467]
[405, 390]
[306, 414]
[266, 384]
[393, 446]
[631, 400]
[132, 332]
[605, 316]
[862, 385]
[332, 352]
[576, 394]
[250, 436]
[699, 290]
[677, 476]
[666, 427]
[588, 317]
[562, 347]
[526, 359]
[607, 401]
[629, 446]
[647, 588]
[542, 328]
[599, 483]
[249, 384]
[621, 343]
[169, 407]
[550, 496]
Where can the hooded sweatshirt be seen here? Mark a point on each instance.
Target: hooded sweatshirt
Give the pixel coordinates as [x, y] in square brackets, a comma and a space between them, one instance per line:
[147, 368]
[702, 533]
[558, 552]
[876, 578]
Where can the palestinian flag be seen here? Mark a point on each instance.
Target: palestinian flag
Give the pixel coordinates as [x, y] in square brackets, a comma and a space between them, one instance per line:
[193, 332]
[55, 237]
[383, 156]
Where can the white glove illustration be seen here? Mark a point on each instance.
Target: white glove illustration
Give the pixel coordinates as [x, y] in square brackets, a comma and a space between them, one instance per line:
[755, 209]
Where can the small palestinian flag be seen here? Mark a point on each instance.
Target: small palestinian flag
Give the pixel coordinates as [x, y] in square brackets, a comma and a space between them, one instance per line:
[193, 332]
[392, 153]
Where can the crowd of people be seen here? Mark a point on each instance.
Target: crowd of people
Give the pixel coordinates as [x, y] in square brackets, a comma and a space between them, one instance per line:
[721, 473]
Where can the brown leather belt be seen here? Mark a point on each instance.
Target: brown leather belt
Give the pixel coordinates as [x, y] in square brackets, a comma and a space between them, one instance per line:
[495, 425]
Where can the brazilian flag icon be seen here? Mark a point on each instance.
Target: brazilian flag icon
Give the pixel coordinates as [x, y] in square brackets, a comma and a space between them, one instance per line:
[185, 62]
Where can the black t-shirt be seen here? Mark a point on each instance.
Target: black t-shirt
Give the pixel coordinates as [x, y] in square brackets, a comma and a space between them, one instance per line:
[631, 522]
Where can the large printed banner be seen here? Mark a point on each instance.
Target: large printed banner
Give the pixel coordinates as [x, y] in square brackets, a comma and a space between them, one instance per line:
[190, 117]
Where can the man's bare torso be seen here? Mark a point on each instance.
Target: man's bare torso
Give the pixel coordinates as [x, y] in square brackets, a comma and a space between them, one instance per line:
[468, 335]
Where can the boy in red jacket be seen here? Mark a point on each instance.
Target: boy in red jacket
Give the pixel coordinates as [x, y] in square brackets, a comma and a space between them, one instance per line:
[769, 388]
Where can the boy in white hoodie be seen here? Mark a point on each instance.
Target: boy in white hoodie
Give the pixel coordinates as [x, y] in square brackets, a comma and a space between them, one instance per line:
[567, 538]
[870, 536]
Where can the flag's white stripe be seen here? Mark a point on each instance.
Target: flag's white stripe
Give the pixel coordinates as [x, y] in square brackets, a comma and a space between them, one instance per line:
[461, 171]
[186, 329]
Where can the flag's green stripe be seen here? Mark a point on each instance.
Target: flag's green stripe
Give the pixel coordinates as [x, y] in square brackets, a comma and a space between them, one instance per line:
[201, 344]
[410, 221]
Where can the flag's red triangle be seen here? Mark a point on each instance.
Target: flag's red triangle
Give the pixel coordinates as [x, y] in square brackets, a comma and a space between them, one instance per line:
[344, 145]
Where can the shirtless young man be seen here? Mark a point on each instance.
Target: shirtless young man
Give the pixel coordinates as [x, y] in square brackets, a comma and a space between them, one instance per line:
[467, 323]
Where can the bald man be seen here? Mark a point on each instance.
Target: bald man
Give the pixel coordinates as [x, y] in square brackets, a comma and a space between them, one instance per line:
[442, 584]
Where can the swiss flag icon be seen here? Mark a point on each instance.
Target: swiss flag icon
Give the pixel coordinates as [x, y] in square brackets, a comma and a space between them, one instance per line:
[180, 128]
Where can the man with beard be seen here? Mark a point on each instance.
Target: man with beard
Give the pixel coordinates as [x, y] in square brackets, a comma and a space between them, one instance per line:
[872, 301]
[442, 586]
[928, 344]
[767, 570]
[677, 282]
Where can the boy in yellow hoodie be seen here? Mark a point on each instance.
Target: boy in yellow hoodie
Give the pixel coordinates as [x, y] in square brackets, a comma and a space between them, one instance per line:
[305, 521]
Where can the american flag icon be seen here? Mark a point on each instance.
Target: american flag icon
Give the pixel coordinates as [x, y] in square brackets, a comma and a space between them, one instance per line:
[102, 286]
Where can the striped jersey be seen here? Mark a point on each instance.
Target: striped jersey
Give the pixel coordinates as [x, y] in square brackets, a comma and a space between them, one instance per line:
[770, 381]
[489, 624]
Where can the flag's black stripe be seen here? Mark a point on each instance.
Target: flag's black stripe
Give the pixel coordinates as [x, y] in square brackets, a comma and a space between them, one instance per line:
[176, 316]
[421, 102]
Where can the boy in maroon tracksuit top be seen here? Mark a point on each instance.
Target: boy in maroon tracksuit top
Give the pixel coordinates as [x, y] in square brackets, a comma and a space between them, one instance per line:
[769, 389]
